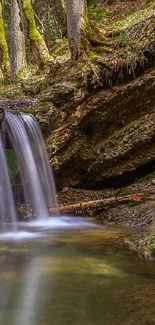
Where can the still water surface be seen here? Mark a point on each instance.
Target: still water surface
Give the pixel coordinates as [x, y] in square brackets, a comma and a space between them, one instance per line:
[84, 277]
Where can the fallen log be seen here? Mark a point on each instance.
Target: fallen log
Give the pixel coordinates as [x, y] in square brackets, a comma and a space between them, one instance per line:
[103, 203]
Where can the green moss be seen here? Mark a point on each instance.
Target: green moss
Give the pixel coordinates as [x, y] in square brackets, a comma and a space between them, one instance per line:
[99, 13]
[5, 62]
[93, 2]
[61, 46]
[152, 246]
[131, 20]
[132, 204]
[28, 111]
[36, 40]
[34, 35]
[10, 91]
[145, 178]
[12, 162]
[123, 192]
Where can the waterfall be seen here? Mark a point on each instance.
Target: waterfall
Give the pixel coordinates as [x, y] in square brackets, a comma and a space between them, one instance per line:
[35, 170]
[7, 206]
[41, 157]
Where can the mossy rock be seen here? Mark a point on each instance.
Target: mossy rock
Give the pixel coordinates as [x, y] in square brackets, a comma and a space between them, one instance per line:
[35, 87]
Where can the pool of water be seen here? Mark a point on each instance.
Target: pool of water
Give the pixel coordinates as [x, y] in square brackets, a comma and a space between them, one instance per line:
[75, 277]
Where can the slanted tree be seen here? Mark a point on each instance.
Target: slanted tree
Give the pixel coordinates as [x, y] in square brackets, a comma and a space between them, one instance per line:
[35, 39]
[76, 11]
[18, 49]
[4, 54]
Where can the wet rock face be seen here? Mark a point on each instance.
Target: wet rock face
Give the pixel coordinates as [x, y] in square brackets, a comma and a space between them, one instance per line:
[2, 114]
[18, 104]
[106, 133]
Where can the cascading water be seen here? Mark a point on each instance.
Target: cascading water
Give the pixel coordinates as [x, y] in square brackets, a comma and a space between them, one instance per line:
[42, 161]
[7, 206]
[35, 170]
[37, 180]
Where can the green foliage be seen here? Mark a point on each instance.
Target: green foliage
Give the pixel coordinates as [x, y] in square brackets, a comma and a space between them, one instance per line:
[61, 46]
[12, 162]
[93, 2]
[99, 13]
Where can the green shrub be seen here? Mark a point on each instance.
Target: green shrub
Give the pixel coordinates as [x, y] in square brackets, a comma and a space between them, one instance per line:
[11, 162]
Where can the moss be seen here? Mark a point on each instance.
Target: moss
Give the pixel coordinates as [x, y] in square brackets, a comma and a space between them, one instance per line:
[12, 162]
[5, 62]
[28, 111]
[62, 46]
[35, 38]
[10, 91]
[93, 2]
[123, 192]
[34, 35]
[145, 178]
[132, 204]
[131, 20]
[98, 13]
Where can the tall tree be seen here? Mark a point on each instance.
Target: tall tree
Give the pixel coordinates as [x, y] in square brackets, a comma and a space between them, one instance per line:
[4, 54]
[76, 10]
[36, 41]
[18, 50]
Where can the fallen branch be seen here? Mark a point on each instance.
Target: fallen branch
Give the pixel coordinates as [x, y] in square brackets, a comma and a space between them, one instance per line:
[102, 204]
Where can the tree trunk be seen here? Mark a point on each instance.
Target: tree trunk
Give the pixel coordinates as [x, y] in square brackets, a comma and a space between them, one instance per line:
[102, 204]
[76, 9]
[18, 50]
[4, 54]
[60, 15]
[36, 41]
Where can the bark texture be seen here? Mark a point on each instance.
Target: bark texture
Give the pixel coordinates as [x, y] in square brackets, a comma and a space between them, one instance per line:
[18, 49]
[76, 10]
[37, 43]
[4, 54]
[100, 204]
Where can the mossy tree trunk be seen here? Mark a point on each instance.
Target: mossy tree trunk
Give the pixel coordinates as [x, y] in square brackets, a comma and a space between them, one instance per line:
[36, 41]
[4, 54]
[76, 10]
[58, 9]
[18, 49]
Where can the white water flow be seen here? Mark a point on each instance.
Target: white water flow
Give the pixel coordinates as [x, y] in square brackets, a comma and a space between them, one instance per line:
[7, 206]
[30, 174]
[41, 157]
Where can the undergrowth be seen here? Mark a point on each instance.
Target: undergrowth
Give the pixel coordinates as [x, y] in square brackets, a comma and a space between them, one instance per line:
[121, 50]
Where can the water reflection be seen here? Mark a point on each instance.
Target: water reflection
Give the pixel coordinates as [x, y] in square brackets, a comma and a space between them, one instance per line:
[75, 277]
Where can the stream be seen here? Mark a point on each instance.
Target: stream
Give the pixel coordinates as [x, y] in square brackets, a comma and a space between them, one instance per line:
[80, 277]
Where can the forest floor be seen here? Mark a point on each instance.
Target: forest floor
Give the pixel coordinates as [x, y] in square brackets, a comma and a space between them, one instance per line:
[120, 10]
